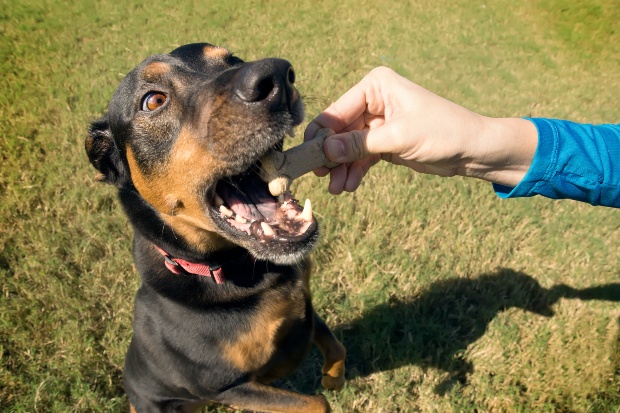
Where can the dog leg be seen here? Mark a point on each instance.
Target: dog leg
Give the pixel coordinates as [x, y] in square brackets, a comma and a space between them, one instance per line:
[255, 396]
[334, 354]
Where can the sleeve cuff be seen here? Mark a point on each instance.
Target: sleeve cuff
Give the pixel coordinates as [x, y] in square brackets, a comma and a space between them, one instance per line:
[542, 163]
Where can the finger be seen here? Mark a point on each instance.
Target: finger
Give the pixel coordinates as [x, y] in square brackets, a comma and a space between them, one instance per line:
[373, 121]
[358, 144]
[321, 172]
[337, 179]
[357, 124]
[325, 119]
[354, 176]
[311, 130]
[341, 113]
[313, 127]
[358, 170]
[346, 109]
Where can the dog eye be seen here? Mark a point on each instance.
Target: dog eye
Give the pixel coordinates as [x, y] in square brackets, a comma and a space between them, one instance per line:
[153, 100]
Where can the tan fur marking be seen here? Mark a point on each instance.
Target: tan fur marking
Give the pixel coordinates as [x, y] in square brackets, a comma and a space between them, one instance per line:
[334, 367]
[192, 231]
[273, 401]
[132, 409]
[254, 347]
[155, 70]
[303, 403]
[139, 180]
[214, 52]
[174, 191]
[334, 355]
[173, 203]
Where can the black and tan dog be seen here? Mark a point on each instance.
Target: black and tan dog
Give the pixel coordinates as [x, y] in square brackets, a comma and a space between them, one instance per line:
[224, 307]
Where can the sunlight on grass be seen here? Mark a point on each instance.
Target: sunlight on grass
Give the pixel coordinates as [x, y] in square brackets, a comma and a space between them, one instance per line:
[447, 298]
[585, 27]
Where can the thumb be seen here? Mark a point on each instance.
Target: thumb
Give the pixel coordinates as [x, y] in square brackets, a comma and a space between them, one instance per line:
[355, 145]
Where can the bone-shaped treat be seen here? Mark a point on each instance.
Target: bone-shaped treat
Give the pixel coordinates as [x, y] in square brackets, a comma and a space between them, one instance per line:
[279, 169]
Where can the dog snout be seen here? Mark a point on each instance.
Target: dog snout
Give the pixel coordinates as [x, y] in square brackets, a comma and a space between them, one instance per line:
[268, 82]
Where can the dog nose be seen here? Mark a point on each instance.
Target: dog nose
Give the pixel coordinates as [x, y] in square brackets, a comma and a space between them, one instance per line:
[268, 81]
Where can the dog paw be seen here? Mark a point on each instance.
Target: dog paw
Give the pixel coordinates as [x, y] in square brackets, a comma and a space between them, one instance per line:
[333, 382]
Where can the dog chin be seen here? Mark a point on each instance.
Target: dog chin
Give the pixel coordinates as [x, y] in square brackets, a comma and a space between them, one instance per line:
[283, 259]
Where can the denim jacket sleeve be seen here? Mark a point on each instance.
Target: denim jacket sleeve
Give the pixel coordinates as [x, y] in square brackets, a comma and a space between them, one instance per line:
[572, 161]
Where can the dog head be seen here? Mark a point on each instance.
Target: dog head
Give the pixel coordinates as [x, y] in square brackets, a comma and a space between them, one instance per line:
[181, 140]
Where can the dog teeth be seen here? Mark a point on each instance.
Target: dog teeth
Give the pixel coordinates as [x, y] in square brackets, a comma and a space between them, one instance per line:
[291, 132]
[267, 230]
[306, 214]
[226, 212]
[217, 200]
[240, 219]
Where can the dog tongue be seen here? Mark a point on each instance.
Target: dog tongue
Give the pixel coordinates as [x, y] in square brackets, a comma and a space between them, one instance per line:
[248, 207]
[247, 197]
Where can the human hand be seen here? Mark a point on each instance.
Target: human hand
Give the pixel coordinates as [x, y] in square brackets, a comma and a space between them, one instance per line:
[388, 117]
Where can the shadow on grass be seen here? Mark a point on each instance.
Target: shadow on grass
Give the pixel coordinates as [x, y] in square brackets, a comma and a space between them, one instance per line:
[434, 329]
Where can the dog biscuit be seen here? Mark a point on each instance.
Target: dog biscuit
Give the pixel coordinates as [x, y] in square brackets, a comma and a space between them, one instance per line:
[279, 169]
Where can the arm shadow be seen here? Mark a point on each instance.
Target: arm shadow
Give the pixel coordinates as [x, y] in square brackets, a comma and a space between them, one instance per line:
[434, 329]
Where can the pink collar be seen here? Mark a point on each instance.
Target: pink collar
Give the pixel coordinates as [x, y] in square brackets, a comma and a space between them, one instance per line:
[178, 266]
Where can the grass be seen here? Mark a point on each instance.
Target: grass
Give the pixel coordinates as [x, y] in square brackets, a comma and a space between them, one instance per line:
[447, 298]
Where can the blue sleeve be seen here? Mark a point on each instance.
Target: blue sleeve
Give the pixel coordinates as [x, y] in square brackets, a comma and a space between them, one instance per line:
[574, 161]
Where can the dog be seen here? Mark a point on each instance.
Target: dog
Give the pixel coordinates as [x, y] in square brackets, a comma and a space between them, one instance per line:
[224, 307]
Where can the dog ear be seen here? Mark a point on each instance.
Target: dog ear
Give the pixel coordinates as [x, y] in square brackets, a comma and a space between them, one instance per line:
[103, 152]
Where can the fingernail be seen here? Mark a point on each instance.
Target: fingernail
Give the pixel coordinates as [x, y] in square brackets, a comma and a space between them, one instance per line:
[334, 149]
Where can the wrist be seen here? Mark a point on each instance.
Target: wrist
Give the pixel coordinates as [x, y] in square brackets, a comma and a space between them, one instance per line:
[502, 151]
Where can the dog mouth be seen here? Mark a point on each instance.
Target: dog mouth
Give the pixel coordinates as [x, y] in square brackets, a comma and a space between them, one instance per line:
[243, 207]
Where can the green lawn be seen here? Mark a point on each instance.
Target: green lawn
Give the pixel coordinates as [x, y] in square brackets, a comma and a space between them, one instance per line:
[447, 298]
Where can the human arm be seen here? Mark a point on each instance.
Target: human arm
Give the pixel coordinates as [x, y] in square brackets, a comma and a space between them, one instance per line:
[572, 161]
[386, 116]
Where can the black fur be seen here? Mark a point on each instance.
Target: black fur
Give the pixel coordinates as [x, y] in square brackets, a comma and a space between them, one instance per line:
[196, 341]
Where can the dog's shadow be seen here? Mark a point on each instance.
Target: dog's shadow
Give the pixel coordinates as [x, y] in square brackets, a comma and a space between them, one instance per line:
[434, 328]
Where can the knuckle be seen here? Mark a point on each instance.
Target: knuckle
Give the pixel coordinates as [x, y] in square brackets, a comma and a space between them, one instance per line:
[357, 144]
[381, 71]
